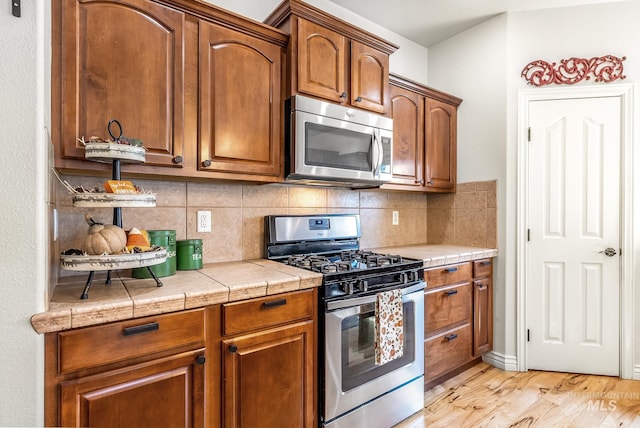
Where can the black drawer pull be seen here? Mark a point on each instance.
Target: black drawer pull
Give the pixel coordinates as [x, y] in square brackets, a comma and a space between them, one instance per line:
[274, 303]
[451, 336]
[485, 263]
[144, 328]
[451, 292]
[451, 269]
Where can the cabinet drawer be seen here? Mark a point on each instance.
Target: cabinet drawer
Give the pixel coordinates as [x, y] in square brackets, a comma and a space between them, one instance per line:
[447, 306]
[447, 351]
[266, 312]
[482, 268]
[95, 346]
[448, 274]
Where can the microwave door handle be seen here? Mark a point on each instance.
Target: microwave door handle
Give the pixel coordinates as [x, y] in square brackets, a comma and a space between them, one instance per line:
[378, 145]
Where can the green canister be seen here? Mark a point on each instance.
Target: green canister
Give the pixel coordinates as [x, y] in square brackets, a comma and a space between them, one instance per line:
[189, 254]
[162, 238]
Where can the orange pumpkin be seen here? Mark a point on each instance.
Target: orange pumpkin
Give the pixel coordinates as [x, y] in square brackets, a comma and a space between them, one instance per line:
[104, 238]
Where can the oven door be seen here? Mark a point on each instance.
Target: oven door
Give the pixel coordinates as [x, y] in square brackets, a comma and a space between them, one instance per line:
[351, 377]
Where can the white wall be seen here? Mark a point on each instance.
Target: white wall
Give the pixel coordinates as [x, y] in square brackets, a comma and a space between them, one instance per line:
[473, 67]
[491, 122]
[23, 248]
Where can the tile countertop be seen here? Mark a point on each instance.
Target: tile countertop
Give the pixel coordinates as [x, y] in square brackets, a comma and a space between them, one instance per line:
[440, 255]
[128, 298]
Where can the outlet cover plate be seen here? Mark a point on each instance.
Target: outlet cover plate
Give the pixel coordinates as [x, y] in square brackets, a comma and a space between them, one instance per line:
[204, 221]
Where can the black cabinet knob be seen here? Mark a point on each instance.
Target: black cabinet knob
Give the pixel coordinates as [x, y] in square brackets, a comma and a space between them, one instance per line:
[343, 95]
[358, 99]
[233, 348]
[200, 359]
[206, 163]
[177, 159]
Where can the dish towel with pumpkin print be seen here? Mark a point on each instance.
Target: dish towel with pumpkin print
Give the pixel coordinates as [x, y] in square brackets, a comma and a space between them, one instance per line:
[389, 327]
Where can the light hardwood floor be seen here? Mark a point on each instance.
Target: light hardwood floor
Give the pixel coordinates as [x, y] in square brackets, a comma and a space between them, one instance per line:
[484, 396]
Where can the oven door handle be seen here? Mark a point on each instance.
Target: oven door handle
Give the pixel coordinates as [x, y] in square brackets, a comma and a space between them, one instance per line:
[356, 301]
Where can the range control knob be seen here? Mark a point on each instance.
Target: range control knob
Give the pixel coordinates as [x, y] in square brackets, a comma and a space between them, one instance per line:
[347, 287]
[363, 285]
[413, 276]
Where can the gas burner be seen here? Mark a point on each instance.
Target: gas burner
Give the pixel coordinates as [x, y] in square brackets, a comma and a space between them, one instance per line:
[327, 268]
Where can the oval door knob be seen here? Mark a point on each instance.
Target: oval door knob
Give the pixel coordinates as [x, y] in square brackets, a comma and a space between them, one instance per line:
[177, 159]
[233, 348]
[201, 359]
[359, 99]
[609, 252]
[343, 95]
[206, 163]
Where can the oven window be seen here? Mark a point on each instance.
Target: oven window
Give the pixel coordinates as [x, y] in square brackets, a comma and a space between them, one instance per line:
[358, 337]
[337, 148]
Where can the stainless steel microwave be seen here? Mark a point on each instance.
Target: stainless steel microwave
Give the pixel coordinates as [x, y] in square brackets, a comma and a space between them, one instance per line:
[334, 145]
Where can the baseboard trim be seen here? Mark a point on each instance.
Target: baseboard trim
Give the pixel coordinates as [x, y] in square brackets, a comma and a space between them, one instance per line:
[507, 363]
[636, 372]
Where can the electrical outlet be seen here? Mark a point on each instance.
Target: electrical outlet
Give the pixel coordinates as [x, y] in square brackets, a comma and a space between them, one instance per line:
[395, 218]
[204, 221]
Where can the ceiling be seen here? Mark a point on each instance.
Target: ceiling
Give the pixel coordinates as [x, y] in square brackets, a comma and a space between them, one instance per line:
[428, 22]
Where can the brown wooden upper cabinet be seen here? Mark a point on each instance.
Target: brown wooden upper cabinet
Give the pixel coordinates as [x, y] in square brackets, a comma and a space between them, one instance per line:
[333, 60]
[240, 103]
[424, 137]
[117, 60]
[201, 87]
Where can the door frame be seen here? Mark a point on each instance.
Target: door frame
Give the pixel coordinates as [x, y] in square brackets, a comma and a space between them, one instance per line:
[626, 93]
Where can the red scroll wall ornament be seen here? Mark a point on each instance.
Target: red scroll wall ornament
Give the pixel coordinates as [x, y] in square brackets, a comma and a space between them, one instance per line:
[573, 70]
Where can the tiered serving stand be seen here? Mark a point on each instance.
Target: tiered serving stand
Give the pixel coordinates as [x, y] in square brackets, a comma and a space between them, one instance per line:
[115, 154]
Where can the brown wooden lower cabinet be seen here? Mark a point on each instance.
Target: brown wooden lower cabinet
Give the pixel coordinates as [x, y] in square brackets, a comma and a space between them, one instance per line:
[458, 318]
[242, 364]
[167, 392]
[482, 316]
[142, 372]
[267, 378]
[269, 369]
[447, 351]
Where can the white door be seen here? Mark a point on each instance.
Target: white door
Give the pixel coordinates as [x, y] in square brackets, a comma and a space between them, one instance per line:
[572, 284]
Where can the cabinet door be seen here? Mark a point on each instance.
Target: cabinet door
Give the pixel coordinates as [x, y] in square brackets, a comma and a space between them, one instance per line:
[407, 108]
[167, 392]
[482, 316]
[120, 60]
[369, 78]
[240, 103]
[321, 62]
[268, 378]
[440, 145]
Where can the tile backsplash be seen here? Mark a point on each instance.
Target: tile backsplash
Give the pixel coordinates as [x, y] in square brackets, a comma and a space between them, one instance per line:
[467, 217]
[238, 210]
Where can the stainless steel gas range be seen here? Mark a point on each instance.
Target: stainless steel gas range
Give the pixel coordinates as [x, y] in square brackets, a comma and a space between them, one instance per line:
[355, 389]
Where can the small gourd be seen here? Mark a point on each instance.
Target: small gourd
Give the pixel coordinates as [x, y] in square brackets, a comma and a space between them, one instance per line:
[104, 238]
